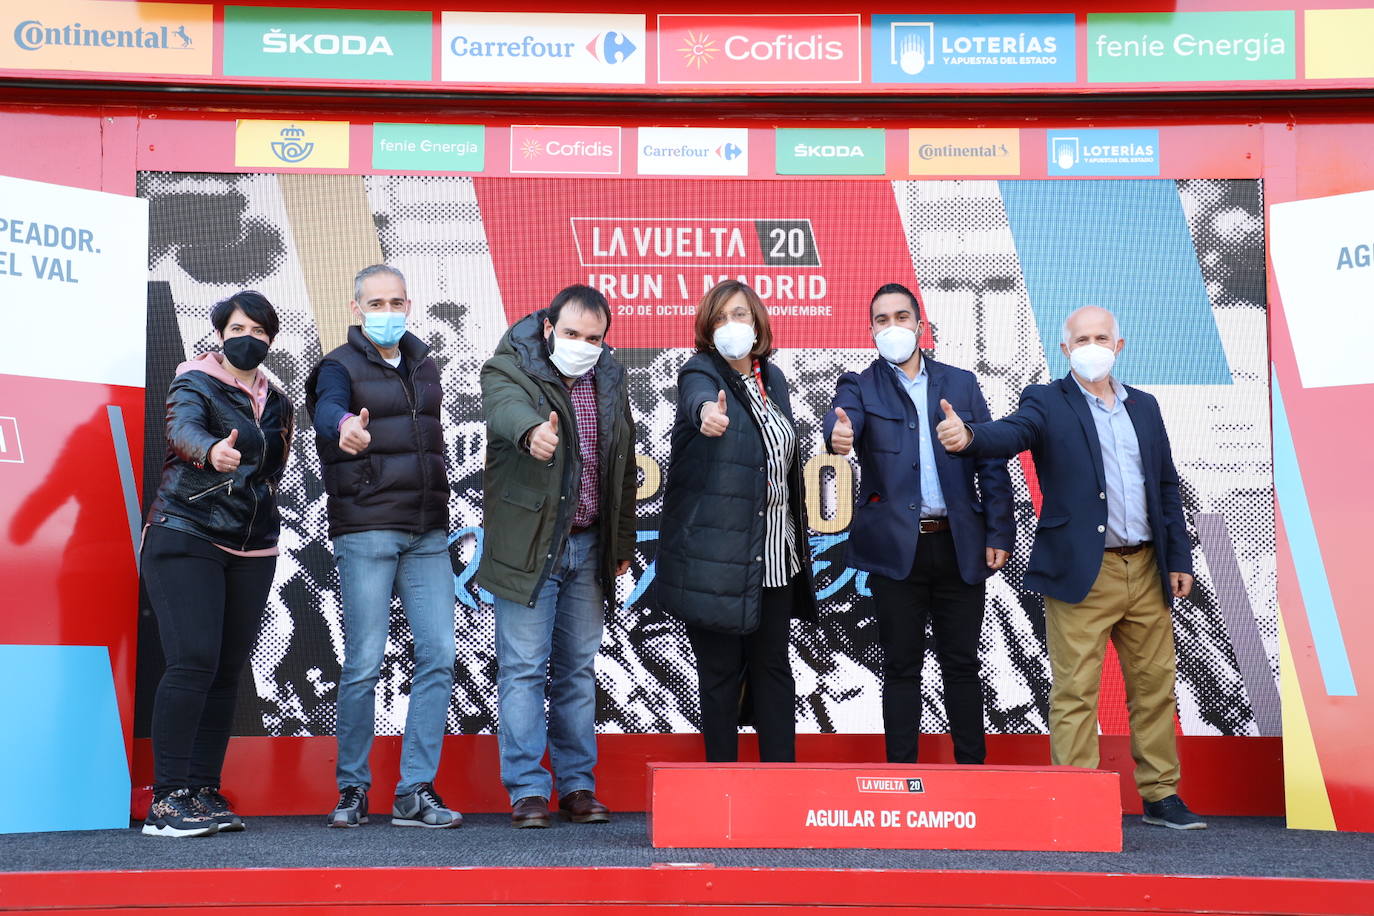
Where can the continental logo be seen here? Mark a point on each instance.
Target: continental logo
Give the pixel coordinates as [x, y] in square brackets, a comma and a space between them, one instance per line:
[109, 37]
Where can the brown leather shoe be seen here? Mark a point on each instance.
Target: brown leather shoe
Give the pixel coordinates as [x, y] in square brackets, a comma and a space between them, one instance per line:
[530, 811]
[581, 807]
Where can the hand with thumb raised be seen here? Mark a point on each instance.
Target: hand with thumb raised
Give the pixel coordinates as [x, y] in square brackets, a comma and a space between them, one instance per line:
[953, 434]
[353, 434]
[842, 433]
[544, 439]
[223, 456]
[714, 421]
[363, 417]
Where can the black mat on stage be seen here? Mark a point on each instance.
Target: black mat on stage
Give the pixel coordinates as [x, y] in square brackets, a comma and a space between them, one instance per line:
[1232, 846]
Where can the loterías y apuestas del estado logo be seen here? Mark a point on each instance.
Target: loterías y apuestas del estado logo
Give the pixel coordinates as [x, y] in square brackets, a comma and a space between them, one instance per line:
[34, 34]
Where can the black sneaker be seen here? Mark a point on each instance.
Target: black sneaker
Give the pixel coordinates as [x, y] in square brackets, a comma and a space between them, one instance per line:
[1173, 813]
[177, 814]
[210, 802]
[351, 809]
[423, 808]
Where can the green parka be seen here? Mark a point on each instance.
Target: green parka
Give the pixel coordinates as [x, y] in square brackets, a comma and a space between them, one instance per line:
[528, 504]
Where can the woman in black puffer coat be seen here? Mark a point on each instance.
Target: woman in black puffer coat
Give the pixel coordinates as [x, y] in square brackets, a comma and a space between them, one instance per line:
[734, 562]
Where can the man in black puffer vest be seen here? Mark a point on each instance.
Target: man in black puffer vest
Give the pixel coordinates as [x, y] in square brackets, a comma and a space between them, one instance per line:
[375, 404]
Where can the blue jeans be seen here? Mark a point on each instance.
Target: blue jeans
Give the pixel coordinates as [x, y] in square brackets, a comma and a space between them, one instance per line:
[372, 564]
[553, 644]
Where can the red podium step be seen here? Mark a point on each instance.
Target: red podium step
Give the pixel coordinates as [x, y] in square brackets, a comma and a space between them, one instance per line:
[881, 806]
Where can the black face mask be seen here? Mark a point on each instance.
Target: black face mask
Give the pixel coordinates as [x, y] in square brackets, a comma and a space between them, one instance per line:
[246, 352]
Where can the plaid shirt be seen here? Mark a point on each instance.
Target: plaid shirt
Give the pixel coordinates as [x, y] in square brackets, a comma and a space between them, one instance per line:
[583, 395]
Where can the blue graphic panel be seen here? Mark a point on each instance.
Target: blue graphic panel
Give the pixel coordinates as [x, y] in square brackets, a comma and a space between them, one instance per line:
[60, 720]
[1123, 245]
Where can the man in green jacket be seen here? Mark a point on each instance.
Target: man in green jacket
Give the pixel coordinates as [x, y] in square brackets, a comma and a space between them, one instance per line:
[559, 527]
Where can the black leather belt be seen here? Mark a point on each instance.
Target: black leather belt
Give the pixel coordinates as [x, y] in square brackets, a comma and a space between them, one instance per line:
[1128, 549]
[931, 525]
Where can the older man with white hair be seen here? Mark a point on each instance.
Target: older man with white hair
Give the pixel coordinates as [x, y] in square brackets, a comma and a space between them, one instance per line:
[1111, 550]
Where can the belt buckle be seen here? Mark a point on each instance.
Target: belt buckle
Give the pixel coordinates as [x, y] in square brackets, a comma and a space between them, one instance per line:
[929, 525]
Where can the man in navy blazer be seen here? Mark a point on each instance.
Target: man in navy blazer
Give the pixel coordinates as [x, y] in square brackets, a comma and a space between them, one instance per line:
[1111, 550]
[920, 529]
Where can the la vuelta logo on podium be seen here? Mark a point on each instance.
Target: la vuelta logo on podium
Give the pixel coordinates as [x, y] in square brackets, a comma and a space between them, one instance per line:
[565, 150]
[759, 49]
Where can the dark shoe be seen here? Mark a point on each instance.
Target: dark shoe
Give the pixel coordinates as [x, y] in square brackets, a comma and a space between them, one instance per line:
[1172, 812]
[423, 808]
[581, 807]
[530, 811]
[210, 802]
[351, 809]
[177, 814]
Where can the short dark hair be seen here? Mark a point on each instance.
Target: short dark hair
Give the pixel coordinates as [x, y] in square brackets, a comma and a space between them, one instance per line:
[895, 288]
[710, 306]
[253, 304]
[586, 298]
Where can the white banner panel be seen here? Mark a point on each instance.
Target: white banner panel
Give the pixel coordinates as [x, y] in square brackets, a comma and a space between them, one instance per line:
[693, 151]
[1323, 251]
[74, 269]
[542, 48]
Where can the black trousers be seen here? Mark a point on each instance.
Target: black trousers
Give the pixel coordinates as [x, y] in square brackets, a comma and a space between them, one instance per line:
[935, 592]
[209, 606]
[725, 661]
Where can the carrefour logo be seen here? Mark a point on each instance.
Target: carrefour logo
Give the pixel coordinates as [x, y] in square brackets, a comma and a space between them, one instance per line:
[1035, 48]
[693, 151]
[543, 48]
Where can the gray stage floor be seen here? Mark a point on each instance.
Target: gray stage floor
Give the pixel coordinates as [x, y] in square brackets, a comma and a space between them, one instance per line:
[1232, 846]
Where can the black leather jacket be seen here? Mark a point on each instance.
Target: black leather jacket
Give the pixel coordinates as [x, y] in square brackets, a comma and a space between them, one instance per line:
[239, 509]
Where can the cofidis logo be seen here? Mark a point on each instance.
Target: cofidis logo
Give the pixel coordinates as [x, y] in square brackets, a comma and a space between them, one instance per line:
[564, 150]
[974, 49]
[327, 44]
[107, 37]
[542, 48]
[693, 151]
[759, 49]
[1102, 152]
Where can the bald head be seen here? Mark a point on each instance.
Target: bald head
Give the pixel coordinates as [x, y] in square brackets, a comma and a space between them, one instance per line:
[1089, 324]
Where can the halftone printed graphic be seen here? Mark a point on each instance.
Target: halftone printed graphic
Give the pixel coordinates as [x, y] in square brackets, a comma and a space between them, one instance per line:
[479, 253]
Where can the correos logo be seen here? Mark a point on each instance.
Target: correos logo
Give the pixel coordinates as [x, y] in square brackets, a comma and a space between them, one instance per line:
[278, 41]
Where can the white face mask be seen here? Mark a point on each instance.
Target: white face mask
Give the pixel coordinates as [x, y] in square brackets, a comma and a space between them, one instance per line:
[895, 344]
[734, 339]
[1092, 362]
[573, 358]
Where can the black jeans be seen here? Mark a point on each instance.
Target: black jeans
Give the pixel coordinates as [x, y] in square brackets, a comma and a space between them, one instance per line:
[934, 591]
[726, 660]
[209, 606]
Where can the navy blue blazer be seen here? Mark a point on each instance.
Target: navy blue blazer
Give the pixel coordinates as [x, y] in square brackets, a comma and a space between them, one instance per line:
[1054, 422]
[887, 514]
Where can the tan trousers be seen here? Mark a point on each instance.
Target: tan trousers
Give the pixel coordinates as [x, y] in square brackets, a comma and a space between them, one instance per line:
[1126, 603]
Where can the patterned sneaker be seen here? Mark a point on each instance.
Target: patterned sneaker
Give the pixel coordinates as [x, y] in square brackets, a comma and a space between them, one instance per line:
[177, 814]
[351, 809]
[1173, 813]
[210, 802]
[423, 808]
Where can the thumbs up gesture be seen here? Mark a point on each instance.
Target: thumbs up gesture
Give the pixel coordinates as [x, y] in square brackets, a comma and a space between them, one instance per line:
[353, 434]
[954, 435]
[714, 422]
[223, 456]
[842, 433]
[544, 438]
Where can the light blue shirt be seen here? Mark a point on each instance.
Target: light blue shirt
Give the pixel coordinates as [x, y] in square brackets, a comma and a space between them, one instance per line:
[932, 497]
[1128, 523]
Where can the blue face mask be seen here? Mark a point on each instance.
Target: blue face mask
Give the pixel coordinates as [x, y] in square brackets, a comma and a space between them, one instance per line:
[385, 328]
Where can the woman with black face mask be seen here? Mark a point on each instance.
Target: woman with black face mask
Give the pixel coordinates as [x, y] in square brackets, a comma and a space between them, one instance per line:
[209, 553]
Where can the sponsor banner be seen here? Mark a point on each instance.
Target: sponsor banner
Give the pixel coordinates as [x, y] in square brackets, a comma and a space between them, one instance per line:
[291, 144]
[693, 151]
[964, 151]
[1102, 152]
[327, 44]
[1337, 44]
[830, 151]
[1191, 47]
[542, 48]
[811, 49]
[564, 150]
[101, 37]
[11, 447]
[1035, 48]
[429, 147]
[78, 259]
[1323, 253]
